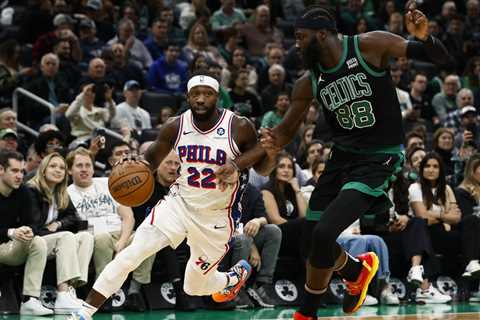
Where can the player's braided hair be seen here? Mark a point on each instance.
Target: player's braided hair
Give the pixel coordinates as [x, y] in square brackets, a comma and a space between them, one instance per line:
[317, 17]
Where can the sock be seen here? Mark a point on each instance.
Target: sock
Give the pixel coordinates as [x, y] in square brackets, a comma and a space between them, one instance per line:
[88, 310]
[134, 287]
[26, 298]
[352, 269]
[311, 304]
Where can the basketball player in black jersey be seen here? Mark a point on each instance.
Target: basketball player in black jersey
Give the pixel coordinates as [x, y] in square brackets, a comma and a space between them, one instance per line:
[348, 77]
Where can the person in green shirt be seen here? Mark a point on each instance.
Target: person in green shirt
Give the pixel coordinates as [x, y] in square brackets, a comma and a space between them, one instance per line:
[274, 117]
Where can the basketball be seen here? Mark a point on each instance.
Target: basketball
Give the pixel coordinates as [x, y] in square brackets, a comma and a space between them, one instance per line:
[131, 183]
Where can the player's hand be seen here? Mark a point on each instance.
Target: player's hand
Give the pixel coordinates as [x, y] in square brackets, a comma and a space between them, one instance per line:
[269, 143]
[255, 259]
[415, 21]
[226, 175]
[251, 228]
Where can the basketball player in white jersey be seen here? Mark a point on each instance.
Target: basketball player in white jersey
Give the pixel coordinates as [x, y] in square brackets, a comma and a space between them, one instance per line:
[197, 206]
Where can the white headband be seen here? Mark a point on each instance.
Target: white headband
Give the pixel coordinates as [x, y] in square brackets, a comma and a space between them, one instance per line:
[202, 80]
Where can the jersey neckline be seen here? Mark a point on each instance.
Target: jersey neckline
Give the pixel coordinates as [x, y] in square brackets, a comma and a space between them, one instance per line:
[342, 58]
[219, 121]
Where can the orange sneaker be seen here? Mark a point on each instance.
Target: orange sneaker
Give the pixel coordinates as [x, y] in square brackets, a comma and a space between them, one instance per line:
[357, 291]
[298, 316]
[242, 271]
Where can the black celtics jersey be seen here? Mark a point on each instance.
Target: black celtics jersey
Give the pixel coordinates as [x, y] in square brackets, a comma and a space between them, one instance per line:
[359, 101]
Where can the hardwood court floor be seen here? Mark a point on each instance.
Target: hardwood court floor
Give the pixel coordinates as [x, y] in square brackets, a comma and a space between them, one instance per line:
[428, 312]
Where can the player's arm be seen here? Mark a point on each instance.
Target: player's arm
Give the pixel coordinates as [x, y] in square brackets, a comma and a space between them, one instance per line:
[425, 47]
[164, 143]
[128, 222]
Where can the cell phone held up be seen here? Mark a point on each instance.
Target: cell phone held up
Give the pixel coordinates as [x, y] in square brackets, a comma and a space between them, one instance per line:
[98, 132]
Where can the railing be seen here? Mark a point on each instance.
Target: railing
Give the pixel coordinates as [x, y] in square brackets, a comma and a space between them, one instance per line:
[27, 129]
[34, 97]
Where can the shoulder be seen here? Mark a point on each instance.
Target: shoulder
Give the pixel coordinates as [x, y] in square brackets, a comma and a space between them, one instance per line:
[414, 188]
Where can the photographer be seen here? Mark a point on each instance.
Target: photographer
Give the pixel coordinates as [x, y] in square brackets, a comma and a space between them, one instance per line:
[84, 116]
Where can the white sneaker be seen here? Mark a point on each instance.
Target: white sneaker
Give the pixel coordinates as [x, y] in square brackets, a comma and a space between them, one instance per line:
[370, 301]
[415, 275]
[472, 269]
[388, 297]
[33, 307]
[77, 315]
[66, 304]
[73, 293]
[432, 295]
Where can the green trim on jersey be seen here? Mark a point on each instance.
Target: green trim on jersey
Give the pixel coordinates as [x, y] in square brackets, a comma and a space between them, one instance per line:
[385, 149]
[342, 58]
[312, 215]
[363, 62]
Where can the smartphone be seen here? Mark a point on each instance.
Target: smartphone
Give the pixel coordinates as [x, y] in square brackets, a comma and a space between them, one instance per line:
[98, 132]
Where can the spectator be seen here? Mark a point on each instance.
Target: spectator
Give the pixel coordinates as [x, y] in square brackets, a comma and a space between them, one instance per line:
[89, 43]
[67, 67]
[259, 244]
[19, 243]
[52, 87]
[274, 55]
[418, 96]
[111, 223]
[239, 61]
[453, 118]
[361, 26]
[84, 116]
[8, 119]
[165, 176]
[137, 50]
[157, 41]
[454, 40]
[443, 145]
[32, 162]
[168, 74]
[11, 73]
[395, 24]
[313, 151]
[245, 102]
[414, 157]
[445, 101]
[128, 113]
[56, 221]
[306, 137]
[413, 119]
[403, 97]
[165, 114]
[468, 133]
[414, 139]
[273, 118]
[230, 41]
[102, 14]
[166, 13]
[197, 43]
[63, 30]
[123, 69]
[471, 77]
[118, 151]
[97, 74]
[8, 140]
[276, 84]
[190, 12]
[472, 19]
[227, 16]
[285, 204]
[260, 31]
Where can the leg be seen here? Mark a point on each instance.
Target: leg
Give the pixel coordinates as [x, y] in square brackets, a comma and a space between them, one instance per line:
[268, 241]
[85, 245]
[241, 246]
[104, 249]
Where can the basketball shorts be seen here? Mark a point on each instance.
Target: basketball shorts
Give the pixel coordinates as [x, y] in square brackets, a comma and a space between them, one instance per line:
[208, 232]
[370, 173]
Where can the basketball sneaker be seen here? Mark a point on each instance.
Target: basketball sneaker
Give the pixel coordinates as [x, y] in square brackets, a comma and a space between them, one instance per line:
[432, 295]
[78, 315]
[298, 316]
[356, 292]
[241, 271]
[415, 276]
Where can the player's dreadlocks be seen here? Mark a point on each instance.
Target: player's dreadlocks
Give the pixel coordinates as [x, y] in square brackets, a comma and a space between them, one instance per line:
[317, 17]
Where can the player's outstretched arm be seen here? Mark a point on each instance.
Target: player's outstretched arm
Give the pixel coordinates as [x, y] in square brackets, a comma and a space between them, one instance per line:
[302, 96]
[164, 143]
[379, 46]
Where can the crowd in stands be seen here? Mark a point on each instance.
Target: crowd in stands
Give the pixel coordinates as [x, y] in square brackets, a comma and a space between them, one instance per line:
[113, 72]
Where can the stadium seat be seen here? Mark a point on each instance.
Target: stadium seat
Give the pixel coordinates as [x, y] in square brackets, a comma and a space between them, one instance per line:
[153, 102]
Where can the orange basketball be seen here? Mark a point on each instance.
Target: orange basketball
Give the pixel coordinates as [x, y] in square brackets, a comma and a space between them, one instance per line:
[131, 183]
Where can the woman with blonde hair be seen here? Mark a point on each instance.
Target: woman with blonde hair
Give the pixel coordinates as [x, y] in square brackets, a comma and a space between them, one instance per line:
[197, 43]
[57, 222]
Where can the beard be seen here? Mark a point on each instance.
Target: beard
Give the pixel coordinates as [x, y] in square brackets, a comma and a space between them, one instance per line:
[311, 54]
[204, 116]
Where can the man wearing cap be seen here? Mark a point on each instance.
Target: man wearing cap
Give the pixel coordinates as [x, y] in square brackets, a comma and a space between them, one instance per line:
[63, 30]
[128, 113]
[8, 140]
[468, 134]
[199, 207]
[464, 98]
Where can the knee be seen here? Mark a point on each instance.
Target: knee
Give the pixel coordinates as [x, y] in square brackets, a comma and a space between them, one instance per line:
[68, 238]
[85, 237]
[322, 233]
[273, 232]
[242, 241]
[38, 244]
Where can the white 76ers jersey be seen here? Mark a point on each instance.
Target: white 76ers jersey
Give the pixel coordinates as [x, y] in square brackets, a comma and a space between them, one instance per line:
[201, 153]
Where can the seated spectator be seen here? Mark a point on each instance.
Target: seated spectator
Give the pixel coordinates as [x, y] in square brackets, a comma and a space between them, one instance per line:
[259, 244]
[110, 223]
[165, 176]
[227, 16]
[445, 101]
[122, 69]
[239, 61]
[260, 31]
[433, 200]
[318, 167]
[453, 118]
[471, 76]
[11, 75]
[197, 43]
[285, 204]
[8, 140]
[169, 74]
[166, 14]
[414, 157]
[230, 41]
[414, 139]
[468, 132]
[19, 243]
[56, 221]
[118, 151]
[165, 114]
[274, 117]
[8, 119]
[418, 96]
[274, 55]
[157, 41]
[276, 84]
[84, 116]
[306, 137]
[52, 87]
[313, 151]
[139, 54]
[443, 145]
[190, 12]
[403, 96]
[89, 43]
[468, 197]
[245, 102]
[68, 68]
[128, 113]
